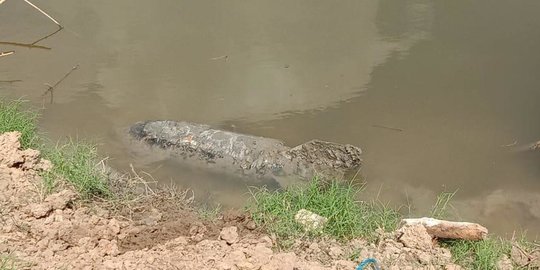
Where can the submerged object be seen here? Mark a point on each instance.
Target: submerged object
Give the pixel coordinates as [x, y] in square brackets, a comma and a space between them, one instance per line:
[251, 156]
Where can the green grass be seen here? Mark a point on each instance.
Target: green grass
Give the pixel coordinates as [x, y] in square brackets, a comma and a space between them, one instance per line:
[478, 254]
[13, 117]
[347, 217]
[482, 254]
[74, 162]
[209, 212]
[440, 208]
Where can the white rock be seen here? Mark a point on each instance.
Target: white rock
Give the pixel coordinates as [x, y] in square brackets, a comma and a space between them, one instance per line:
[310, 221]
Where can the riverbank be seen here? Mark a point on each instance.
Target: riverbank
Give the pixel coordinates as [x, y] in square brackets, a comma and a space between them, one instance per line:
[62, 208]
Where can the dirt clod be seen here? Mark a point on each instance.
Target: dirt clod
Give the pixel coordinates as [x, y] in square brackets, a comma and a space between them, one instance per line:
[415, 236]
[229, 235]
[40, 210]
[61, 199]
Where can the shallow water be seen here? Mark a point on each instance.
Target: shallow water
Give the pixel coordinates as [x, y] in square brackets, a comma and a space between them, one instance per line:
[460, 79]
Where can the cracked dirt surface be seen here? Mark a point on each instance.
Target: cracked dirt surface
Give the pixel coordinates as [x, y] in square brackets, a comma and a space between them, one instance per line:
[59, 231]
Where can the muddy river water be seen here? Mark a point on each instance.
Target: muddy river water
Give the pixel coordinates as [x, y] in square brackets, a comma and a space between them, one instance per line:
[440, 95]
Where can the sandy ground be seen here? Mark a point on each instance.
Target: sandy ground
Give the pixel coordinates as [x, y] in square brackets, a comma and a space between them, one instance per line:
[59, 231]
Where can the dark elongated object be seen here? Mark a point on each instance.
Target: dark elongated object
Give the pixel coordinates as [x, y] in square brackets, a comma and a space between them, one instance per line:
[248, 155]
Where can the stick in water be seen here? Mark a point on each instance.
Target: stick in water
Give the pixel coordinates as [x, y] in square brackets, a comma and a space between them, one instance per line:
[2, 54]
[34, 44]
[43, 12]
[10, 81]
[386, 127]
[24, 45]
[51, 88]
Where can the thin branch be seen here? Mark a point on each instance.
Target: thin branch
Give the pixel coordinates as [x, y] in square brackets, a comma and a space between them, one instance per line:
[10, 81]
[24, 45]
[47, 36]
[44, 13]
[148, 189]
[2, 54]
[33, 44]
[51, 87]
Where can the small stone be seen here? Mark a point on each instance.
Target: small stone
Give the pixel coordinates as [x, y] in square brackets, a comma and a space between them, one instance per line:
[40, 210]
[94, 220]
[197, 238]
[229, 235]
[114, 226]
[251, 225]
[267, 241]
[335, 252]
[310, 221]
[314, 247]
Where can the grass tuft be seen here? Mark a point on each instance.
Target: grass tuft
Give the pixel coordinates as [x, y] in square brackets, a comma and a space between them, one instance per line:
[347, 217]
[478, 254]
[440, 208]
[209, 212]
[13, 117]
[76, 162]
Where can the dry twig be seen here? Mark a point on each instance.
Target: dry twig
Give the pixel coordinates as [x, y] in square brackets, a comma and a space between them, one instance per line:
[30, 46]
[2, 54]
[33, 44]
[44, 13]
[147, 188]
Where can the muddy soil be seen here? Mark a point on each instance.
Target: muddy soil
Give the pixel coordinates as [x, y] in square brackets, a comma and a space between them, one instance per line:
[59, 231]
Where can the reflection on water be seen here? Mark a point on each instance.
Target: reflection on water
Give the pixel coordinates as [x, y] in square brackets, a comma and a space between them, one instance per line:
[460, 80]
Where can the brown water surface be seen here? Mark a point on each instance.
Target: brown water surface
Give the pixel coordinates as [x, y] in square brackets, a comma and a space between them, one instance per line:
[461, 79]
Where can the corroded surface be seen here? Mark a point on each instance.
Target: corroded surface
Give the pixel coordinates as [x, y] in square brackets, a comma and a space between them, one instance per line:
[249, 155]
